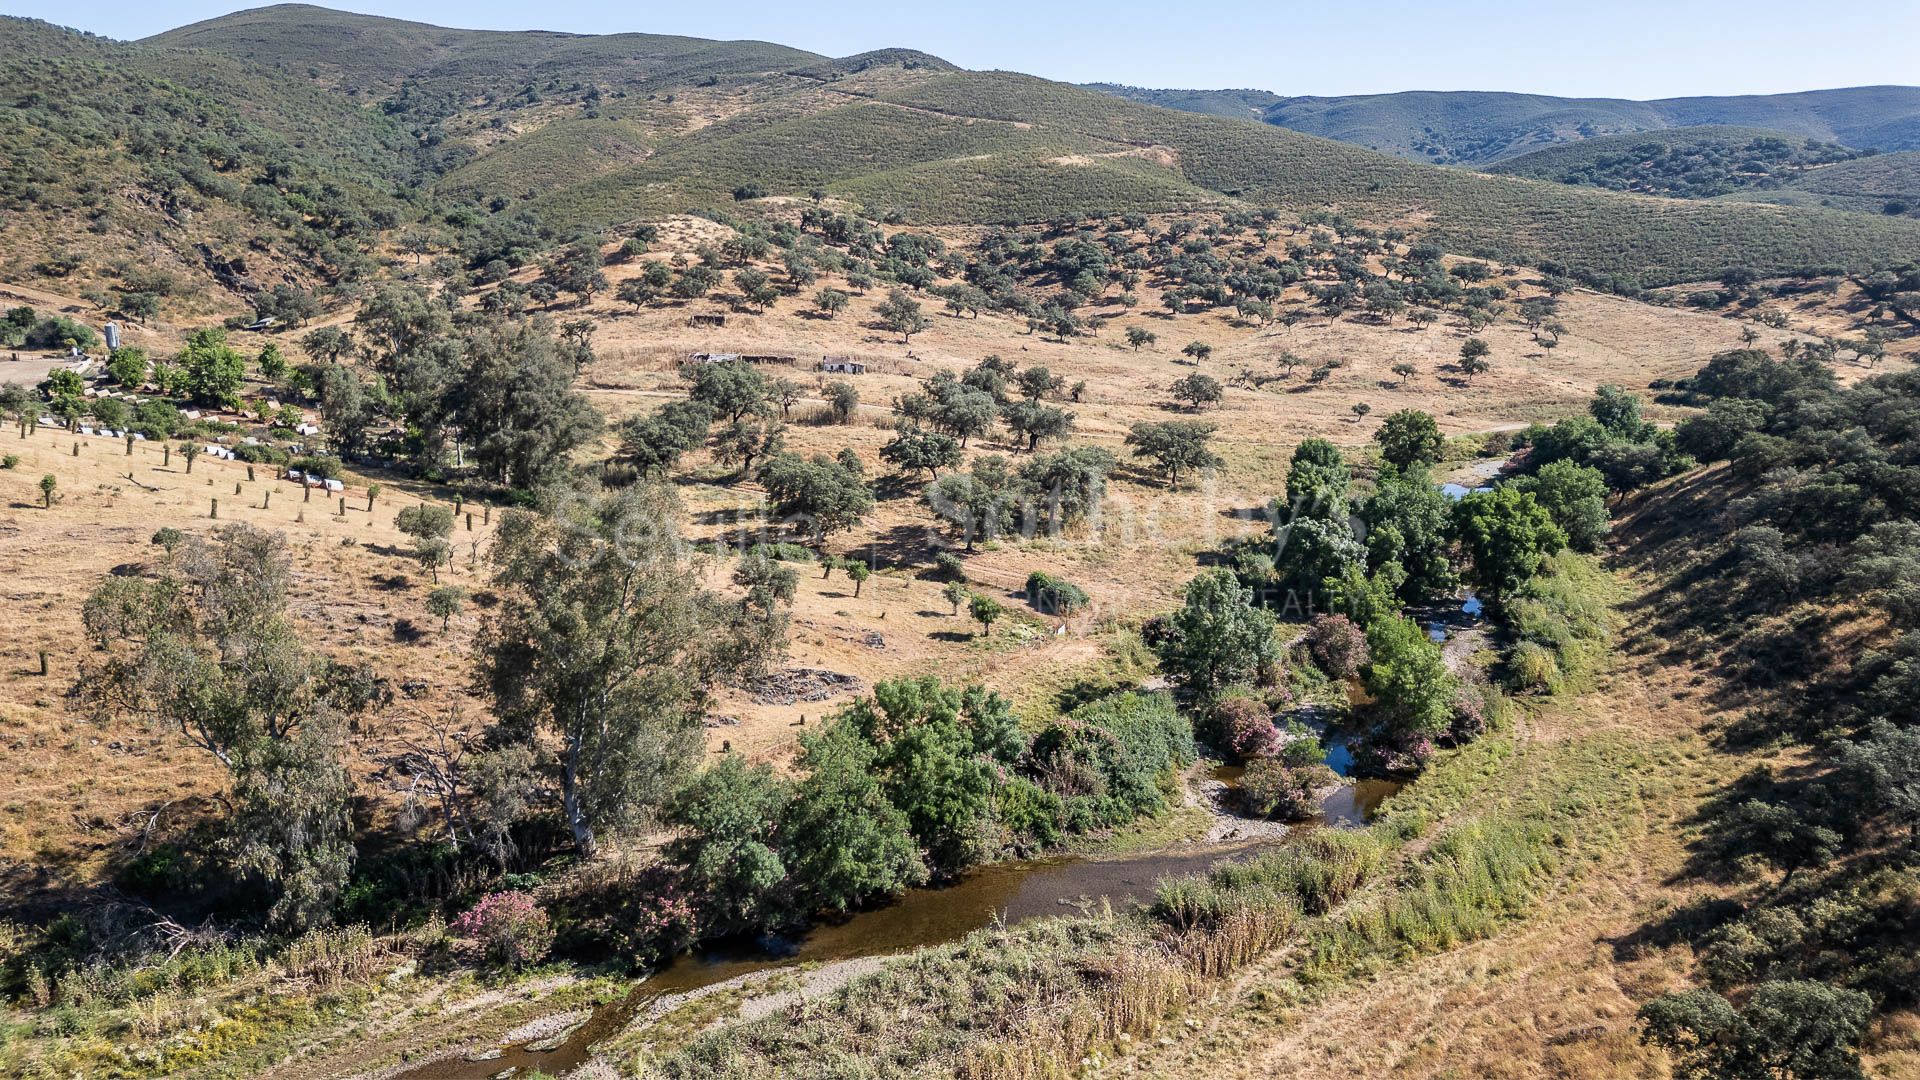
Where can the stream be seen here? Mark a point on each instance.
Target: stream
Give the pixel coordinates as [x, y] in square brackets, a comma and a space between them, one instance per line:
[1352, 804]
[1012, 892]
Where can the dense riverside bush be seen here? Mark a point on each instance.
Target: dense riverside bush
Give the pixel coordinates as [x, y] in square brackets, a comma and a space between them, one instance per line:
[918, 781]
[1274, 788]
[1561, 625]
[1243, 727]
[1115, 759]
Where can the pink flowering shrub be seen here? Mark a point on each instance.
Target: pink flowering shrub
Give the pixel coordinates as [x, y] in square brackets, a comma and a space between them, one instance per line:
[1272, 788]
[1392, 757]
[510, 926]
[1469, 715]
[662, 923]
[1338, 645]
[1244, 728]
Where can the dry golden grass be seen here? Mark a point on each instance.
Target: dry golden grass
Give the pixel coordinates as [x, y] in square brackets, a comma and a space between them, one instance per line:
[1551, 996]
[84, 784]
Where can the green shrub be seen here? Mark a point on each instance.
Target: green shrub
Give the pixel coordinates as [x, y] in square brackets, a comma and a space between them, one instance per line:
[782, 551]
[1054, 596]
[1790, 1030]
[1313, 874]
[156, 419]
[1531, 666]
[318, 466]
[1030, 817]
[1561, 624]
[1115, 759]
[260, 454]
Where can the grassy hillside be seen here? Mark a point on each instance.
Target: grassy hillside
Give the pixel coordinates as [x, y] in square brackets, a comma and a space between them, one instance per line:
[375, 56]
[968, 147]
[1460, 128]
[549, 157]
[1233, 104]
[1687, 163]
[1883, 184]
[112, 152]
[1475, 128]
[595, 132]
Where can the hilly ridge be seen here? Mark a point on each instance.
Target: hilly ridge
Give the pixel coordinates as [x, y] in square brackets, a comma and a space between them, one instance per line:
[168, 166]
[368, 53]
[1884, 184]
[549, 135]
[1695, 162]
[1480, 127]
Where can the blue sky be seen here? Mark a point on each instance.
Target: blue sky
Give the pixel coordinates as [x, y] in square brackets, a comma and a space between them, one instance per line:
[1597, 48]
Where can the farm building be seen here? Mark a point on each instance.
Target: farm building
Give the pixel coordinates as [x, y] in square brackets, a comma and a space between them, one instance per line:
[845, 365]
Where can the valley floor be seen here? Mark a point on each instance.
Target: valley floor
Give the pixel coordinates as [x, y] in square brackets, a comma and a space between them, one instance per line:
[1553, 995]
[1625, 769]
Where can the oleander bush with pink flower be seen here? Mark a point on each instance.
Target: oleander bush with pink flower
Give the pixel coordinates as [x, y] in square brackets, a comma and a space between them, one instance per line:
[1244, 728]
[510, 926]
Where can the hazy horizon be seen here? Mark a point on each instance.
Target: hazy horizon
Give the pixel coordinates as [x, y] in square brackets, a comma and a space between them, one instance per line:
[1678, 49]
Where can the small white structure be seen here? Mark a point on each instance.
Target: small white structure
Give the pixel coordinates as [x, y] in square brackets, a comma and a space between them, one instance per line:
[112, 333]
[845, 365]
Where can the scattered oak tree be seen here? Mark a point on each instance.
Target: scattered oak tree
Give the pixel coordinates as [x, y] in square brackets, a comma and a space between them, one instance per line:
[914, 450]
[1175, 446]
[1216, 639]
[1409, 437]
[1473, 358]
[901, 314]
[1197, 391]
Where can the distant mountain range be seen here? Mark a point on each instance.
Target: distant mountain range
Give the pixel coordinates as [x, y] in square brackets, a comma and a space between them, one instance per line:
[1478, 128]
